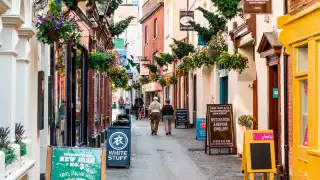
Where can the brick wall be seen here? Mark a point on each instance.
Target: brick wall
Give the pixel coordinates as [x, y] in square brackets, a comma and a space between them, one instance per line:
[153, 45]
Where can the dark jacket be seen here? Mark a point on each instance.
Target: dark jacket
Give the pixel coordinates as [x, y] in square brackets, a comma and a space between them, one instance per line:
[167, 110]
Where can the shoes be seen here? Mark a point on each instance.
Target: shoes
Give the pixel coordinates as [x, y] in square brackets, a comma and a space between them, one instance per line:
[169, 133]
[155, 133]
[152, 133]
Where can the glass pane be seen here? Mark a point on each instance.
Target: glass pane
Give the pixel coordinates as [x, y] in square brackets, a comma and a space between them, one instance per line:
[302, 58]
[304, 113]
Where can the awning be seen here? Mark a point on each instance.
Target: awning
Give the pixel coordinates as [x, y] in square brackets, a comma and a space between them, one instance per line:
[151, 87]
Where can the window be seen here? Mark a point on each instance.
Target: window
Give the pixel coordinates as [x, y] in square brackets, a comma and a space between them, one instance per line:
[167, 90]
[301, 79]
[302, 58]
[146, 35]
[155, 28]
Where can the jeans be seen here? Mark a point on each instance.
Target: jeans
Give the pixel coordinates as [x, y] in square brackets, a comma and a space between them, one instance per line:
[167, 123]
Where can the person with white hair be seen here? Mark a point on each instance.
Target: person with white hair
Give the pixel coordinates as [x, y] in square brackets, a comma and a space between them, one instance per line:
[155, 115]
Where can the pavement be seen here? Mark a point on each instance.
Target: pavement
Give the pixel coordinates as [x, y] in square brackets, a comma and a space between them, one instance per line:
[175, 157]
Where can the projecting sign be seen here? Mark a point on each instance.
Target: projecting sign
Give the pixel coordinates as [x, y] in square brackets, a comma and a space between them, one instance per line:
[257, 6]
[185, 18]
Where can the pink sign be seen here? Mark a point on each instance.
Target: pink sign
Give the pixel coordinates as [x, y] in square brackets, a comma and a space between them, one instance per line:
[263, 136]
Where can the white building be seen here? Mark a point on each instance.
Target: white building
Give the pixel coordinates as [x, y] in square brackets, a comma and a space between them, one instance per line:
[22, 57]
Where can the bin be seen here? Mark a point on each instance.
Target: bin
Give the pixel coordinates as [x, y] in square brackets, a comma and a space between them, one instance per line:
[118, 146]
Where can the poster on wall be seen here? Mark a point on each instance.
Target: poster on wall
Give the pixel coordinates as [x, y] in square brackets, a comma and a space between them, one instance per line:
[257, 6]
[185, 18]
[122, 54]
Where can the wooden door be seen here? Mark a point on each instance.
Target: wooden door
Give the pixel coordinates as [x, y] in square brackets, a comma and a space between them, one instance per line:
[274, 121]
[255, 104]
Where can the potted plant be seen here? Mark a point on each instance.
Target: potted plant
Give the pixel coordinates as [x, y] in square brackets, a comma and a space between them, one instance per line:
[57, 25]
[19, 135]
[236, 61]
[163, 82]
[153, 68]
[144, 80]
[5, 147]
[246, 121]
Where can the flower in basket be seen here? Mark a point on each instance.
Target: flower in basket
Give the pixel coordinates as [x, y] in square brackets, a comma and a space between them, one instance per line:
[57, 25]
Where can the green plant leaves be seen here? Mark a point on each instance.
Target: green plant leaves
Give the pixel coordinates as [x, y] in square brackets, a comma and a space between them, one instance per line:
[181, 49]
[119, 27]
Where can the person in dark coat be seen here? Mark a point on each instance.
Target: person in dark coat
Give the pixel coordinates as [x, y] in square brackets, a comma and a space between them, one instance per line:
[167, 115]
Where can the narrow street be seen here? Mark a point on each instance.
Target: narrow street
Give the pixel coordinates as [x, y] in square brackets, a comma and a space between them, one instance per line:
[176, 157]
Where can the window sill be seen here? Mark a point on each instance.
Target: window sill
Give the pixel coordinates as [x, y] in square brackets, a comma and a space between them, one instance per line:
[145, 44]
[15, 172]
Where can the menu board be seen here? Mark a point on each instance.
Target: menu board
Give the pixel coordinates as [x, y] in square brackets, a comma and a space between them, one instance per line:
[65, 163]
[182, 117]
[220, 125]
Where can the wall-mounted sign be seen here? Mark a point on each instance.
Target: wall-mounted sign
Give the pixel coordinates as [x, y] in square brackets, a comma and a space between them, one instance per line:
[185, 18]
[257, 7]
[258, 153]
[118, 43]
[122, 54]
[275, 93]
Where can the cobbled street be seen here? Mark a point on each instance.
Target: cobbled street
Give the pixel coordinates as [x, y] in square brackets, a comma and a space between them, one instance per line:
[176, 157]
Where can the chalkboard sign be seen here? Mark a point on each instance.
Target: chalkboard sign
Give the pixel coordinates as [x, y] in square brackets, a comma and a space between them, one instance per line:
[220, 125]
[181, 117]
[260, 156]
[75, 163]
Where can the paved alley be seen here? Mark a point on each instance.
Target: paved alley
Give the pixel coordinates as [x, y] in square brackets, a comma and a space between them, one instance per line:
[176, 157]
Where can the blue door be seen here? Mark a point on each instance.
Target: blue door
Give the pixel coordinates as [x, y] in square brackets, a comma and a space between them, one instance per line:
[224, 90]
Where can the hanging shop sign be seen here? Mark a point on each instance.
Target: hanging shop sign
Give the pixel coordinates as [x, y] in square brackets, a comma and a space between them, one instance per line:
[185, 18]
[119, 43]
[258, 153]
[76, 163]
[219, 126]
[257, 6]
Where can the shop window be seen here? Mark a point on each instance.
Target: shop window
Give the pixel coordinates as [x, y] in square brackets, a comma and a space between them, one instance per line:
[155, 29]
[304, 112]
[302, 58]
[167, 90]
[224, 90]
[146, 35]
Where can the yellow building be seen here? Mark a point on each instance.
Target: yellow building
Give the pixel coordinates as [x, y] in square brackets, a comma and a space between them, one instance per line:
[301, 37]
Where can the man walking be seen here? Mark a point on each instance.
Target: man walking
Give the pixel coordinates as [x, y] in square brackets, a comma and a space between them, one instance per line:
[155, 115]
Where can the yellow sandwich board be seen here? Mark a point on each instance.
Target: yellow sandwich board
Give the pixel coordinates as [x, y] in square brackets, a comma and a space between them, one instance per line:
[258, 154]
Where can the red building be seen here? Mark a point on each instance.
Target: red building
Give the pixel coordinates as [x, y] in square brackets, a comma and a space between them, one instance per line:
[153, 40]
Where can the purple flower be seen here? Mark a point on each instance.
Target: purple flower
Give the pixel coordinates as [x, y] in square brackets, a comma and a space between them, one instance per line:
[72, 42]
[51, 17]
[57, 26]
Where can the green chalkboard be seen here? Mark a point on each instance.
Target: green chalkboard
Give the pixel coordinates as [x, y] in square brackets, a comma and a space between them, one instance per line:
[76, 163]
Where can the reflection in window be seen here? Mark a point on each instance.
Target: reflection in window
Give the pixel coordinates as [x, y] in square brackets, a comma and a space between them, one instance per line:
[302, 58]
[304, 112]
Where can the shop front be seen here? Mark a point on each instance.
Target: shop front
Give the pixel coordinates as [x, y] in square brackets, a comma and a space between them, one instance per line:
[301, 38]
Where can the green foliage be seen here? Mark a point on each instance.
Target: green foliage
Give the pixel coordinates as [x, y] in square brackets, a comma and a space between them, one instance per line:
[118, 77]
[101, 61]
[228, 8]
[136, 86]
[71, 4]
[164, 59]
[57, 25]
[119, 27]
[235, 61]
[10, 156]
[153, 68]
[19, 133]
[205, 33]
[163, 82]
[153, 76]
[144, 80]
[174, 80]
[113, 6]
[246, 121]
[181, 49]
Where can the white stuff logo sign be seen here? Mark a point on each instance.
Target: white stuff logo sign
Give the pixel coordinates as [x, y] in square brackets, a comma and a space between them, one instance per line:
[185, 18]
[118, 141]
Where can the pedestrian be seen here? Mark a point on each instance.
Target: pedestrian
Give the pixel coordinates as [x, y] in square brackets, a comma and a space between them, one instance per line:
[121, 103]
[114, 105]
[155, 115]
[127, 106]
[167, 116]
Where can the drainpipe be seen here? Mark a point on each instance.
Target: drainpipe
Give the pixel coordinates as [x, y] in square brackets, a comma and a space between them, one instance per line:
[286, 119]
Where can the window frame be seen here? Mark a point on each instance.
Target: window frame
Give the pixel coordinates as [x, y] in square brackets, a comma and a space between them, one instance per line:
[146, 34]
[155, 28]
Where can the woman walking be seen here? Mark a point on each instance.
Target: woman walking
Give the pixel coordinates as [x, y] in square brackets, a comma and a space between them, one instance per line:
[167, 115]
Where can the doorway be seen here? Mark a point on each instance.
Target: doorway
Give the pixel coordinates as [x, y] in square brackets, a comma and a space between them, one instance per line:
[274, 108]
[224, 90]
